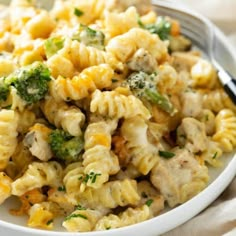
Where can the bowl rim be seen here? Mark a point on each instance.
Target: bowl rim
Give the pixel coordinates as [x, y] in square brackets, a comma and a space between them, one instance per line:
[201, 200]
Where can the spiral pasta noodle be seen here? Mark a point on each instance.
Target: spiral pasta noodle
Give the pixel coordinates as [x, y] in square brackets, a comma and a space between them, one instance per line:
[72, 178]
[8, 135]
[217, 100]
[110, 195]
[115, 105]
[225, 133]
[99, 162]
[128, 217]
[120, 23]
[144, 155]
[83, 56]
[125, 45]
[37, 175]
[90, 79]
[106, 114]
[70, 118]
[82, 220]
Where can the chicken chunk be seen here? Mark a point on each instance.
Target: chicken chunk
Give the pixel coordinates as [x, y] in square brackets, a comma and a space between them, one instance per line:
[179, 178]
[191, 104]
[191, 134]
[37, 142]
[142, 60]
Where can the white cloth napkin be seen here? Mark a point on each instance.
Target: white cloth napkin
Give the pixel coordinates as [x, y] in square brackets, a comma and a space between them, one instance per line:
[220, 217]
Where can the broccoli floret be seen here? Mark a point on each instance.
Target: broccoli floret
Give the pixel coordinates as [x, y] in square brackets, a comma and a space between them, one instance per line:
[64, 146]
[31, 82]
[4, 90]
[144, 87]
[52, 45]
[90, 37]
[162, 27]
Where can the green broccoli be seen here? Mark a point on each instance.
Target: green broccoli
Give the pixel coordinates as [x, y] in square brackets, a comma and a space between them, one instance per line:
[4, 90]
[162, 27]
[144, 87]
[64, 146]
[52, 45]
[90, 37]
[31, 82]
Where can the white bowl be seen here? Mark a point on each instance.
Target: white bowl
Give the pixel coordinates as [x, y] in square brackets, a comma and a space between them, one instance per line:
[220, 179]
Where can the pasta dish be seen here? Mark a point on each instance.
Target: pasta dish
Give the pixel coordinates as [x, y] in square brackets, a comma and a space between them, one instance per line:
[107, 115]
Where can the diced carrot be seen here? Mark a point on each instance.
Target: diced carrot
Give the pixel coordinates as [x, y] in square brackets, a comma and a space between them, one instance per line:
[175, 28]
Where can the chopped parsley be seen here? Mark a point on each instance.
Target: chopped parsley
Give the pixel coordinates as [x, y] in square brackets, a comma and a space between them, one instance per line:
[91, 176]
[7, 107]
[75, 216]
[215, 155]
[166, 154]
[206, 117]
[90, 37]
[79, 207]
[114, 80]
[49, 222]
[161, 27]
[144, 195]
[109, 227]
[149, 202]
[78, 12]
[61, 188]
[80, 178]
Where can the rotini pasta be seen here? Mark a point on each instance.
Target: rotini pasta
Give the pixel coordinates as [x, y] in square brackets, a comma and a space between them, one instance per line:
[106, 114]
[98, 158]
[99, 163]
[37, 175]
[79, 87]
[110, 195]
[70, 118]
[73, 178]
[99, 133]
[203, 74]
[120, 23]
[83, 56]
[144, 155]
[115, 105]
[216, 100]
[128, 217]
[8, 135]
[82, 220]
[92, 10]
[225, 133]
[125, 45]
